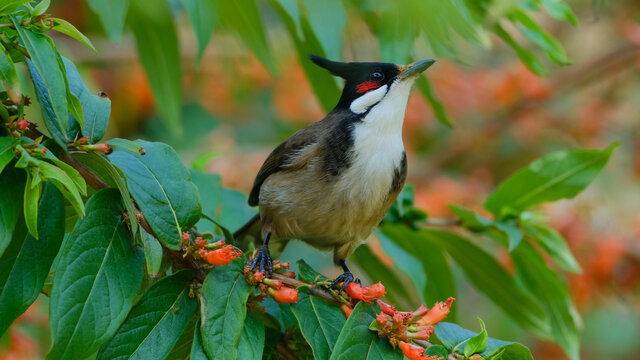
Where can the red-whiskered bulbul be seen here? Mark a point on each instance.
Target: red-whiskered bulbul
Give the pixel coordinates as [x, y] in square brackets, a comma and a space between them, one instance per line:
[331, 183]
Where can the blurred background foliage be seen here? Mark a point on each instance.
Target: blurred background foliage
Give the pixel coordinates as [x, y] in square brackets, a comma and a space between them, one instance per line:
[225, 81]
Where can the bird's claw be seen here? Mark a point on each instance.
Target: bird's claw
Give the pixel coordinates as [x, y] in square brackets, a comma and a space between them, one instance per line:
[263, 261]
[345, 278]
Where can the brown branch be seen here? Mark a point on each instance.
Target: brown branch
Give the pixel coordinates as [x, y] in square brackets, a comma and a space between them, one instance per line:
[443, 222]
[313, 289]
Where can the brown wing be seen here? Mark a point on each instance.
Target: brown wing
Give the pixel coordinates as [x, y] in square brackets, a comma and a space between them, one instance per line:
[281, 156]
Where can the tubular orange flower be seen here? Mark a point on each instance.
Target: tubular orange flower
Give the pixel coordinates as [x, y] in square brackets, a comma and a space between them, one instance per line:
[103, 148]
[415, 352]
[366, 294]
[222, 256]
[346, 309]
[381, 319]
[284, 295]
[438, 312]
[423, 333]
[386, 308]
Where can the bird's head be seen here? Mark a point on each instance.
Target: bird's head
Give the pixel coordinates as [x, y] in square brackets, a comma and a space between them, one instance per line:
[369, 83]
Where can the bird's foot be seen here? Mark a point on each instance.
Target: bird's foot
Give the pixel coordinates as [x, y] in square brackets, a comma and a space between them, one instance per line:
[345, 278]
[262, 261]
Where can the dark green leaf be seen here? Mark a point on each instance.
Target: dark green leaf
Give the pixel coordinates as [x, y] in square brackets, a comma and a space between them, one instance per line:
[555, 245]
[210, 190]
[251, 344]
[128, 145]
[357, 342]
[437, 350]
[526, 56]
[152, 254]
[436, 105]
[25, 264]
[320, 322]
[96, 109]
[156, 322]
[307, 274]
[243, 17]
[182, 349]
[32, 191]
[68, 29]
[560, 10]
[112, 14]
[12, 182]
[162, 188]
[475, 222]
[476, 343]
[546, 286]
[6, 151]
[203, 16]
[197, 350]
[234, 211]
[534, 32]
[453, 336]
[96, 280]
[327, 20]
[489, 277]
[560, 175]
[75, 109]
[49, 82]
[223, 300]
[155, 33]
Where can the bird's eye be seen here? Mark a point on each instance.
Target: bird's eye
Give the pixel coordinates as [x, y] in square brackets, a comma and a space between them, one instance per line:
[377, 76]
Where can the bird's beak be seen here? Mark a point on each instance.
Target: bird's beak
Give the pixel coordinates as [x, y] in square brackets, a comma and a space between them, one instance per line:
[415, 69]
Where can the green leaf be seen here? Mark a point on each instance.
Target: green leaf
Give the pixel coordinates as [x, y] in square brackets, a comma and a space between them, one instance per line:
[484, 272]
[9, 6]
[561, 11]
[155, 324]
[475, 222]
[307, 274]
[437, 350]
[396, 34]
[223, 299]
[526, 56]
[128, 145]
[327, 20]
[40, 8]
[200, 162]
[12, 182]
[560, 175]
[8, 73]
[210, 190]
[548, 288]
[6, 151]
[64, 183]
[476, 343]
[182, 349]
[73, 174]
[25, 264]
[243, 17]
[555, 245]
[453, 336]
[32, 191]
[96, 109]
[68, 29]
[162, 188]
[75, 108]
[320, 322]
[203, 16]
[112, 14]
[152, 254]
[49, 82]
[96, 280]
[155, 33]
[436, 105]
[251, 344]
[534, 32]
[197, 350]
[357, 342]
[234, 210]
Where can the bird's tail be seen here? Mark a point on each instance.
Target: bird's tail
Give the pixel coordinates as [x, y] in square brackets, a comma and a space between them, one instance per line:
[248, 233]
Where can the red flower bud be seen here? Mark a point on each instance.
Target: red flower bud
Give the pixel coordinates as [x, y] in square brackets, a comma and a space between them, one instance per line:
[222, 256]
[259, 276]
[276, 284]
[420, 311]
[289, 274]
[415, 352]
[103, 148]
[186, 235]
[23, 124]
[346, 309]
[284, 295]
[200, 242]
[386, 308]
[366, 294]
[82, 140]
[381, 319]
[438, 312]
[423, 333]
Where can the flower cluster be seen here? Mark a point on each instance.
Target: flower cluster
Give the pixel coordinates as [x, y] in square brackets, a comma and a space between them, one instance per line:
[403, 327]
[272, 287]
[216, 253]
[366, 294]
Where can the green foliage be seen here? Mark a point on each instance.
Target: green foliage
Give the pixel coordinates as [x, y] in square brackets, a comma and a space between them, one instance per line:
[454, 338]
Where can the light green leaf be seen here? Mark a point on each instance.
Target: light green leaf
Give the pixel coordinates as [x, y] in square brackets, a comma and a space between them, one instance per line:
[128, 145]
[155, 324]
[560, 10]
[162, 188]
[68, 29]
[32, 191]
[555, 245]
[476, 343]
[155, 33]
[152, 254]
[357, 342]
[320, 322]
[25, 264]
[9, 6]
[112, 14]
[6, 151]
[560, 175]
[75, 108]
[64, 183]
[8, 74]
[534, 32]
[204, 16]
[40, 8]
[12, 182]
[396, 34]
[96, 280]
[526, 56]
[438, 108]
[223, 299]
[251, 344]
[477, 223]
[307, 274]
[327, 20]
[453, 336]
[243, 17]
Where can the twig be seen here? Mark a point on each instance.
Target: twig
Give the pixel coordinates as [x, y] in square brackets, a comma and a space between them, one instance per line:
[313, 289]
[442, 222]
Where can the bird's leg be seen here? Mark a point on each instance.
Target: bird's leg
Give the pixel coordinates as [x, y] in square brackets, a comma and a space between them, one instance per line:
[345, 278]
[263, 257]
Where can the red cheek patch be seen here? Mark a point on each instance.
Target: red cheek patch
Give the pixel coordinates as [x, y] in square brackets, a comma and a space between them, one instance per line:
[366, 86]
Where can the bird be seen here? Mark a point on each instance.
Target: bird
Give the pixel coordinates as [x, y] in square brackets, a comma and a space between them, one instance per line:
[331, 183]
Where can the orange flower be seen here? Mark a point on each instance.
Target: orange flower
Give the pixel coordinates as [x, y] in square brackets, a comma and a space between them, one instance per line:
[284, 295]
[415, 352]
[346, 309]
[23, 124]
[438, 312]
[222, 256]
[366, 294]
